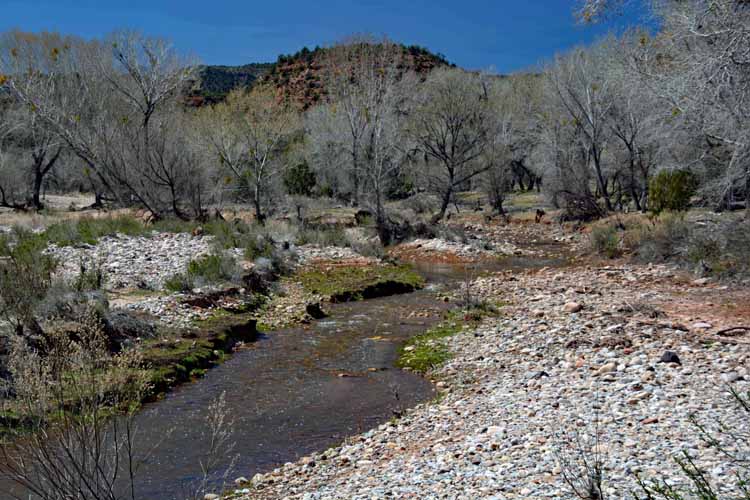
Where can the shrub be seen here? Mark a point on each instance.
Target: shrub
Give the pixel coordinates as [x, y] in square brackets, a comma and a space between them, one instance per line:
[258, 246]
[727, 441]
[605, 240]
[213, 268]
[369, 248]
[703, 247]
[178, 283]
[25, 278]
[664, 240]
[89, 278]
[207, 270]
[75, 382]
[300, 180]
[671, 190]
[737, 246]
[174, 225]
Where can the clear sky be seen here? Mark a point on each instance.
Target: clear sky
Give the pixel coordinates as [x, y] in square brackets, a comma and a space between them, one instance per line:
[506, 35]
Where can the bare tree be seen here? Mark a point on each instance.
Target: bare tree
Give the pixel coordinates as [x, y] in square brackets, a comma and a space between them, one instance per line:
[248, 133]
[699, 65]
[639, 130]
[515, 105]
[450, 126]
[31, 151]
[582, 89]
[106, 100]
[368, 92]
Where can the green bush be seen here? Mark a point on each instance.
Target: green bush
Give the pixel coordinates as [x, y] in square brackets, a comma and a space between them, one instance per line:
[260, 246]
[174, 225]
[178, 283]
[300, 180]
[671, 190]
[703, 247]
[605, 240]
[89, 278]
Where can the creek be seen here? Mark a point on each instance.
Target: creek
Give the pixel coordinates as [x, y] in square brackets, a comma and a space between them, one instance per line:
[299, 390]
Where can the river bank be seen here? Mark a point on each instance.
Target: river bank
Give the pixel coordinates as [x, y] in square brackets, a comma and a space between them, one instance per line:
[605, 359]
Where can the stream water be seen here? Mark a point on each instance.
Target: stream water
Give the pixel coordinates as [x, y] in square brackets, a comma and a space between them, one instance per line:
[298, 390]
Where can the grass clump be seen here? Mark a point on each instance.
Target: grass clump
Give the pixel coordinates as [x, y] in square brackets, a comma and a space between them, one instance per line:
[208, 270]
[348, 283]
[333, 236]
[89, 229]
[663, 240]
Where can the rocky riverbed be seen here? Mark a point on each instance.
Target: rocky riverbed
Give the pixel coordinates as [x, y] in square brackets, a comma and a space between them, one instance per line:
[593, 360]
[143, 262]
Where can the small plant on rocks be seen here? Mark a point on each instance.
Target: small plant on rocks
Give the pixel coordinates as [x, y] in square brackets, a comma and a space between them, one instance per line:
[731, 442]
[88, 229]
[209, 270]
[605, 240]
[582, 463]
[665, 240]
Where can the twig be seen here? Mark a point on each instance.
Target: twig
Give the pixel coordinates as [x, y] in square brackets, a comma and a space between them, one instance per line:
[734, 328]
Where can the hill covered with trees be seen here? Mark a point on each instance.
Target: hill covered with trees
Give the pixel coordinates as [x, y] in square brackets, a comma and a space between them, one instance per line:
[298, 76]
[212, 83]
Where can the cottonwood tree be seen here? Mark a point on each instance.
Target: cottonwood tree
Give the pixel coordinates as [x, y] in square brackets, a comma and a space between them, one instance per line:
[451, 127]
[637, 122]
[106, 100]
[567, 178]
[700, 65]
[582, 90]
[515, 102]
[368, 91]
[248, 134]
[498, 156]
[32, 151]
[524, 98]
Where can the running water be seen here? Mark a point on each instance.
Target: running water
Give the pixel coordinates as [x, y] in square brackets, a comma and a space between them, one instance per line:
[298, 390]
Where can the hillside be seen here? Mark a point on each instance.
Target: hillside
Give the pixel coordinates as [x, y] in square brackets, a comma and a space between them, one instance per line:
[296, 76]
[213, 83]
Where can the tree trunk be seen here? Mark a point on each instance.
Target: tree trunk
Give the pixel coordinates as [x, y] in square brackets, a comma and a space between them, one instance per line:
[443, 205]
[259, 217]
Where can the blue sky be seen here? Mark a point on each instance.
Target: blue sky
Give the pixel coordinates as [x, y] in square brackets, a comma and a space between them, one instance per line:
[504, 35]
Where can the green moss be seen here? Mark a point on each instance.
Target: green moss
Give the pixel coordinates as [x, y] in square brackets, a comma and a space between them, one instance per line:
[343, 284]
[427, 351]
